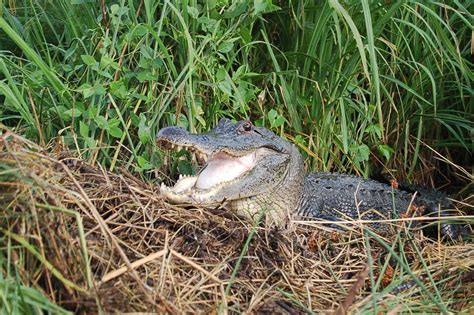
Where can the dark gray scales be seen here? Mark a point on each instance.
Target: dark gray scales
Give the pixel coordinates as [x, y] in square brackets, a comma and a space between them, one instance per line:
[351, 196]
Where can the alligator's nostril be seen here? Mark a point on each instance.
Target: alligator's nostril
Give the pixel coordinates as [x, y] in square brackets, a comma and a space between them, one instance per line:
[170, 132]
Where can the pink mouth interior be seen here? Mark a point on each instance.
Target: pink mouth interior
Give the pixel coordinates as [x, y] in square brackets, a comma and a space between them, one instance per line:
[223, 168]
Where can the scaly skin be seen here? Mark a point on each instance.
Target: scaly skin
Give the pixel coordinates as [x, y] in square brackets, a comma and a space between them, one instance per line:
[277, 183]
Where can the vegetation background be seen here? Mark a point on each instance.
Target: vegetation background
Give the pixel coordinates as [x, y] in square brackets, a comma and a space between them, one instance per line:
[350, 82]
[376, 88]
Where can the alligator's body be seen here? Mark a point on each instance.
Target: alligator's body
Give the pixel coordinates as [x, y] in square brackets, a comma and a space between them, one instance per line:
[252, 170]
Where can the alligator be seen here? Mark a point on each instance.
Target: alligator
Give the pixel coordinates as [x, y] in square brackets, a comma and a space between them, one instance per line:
[252, 171]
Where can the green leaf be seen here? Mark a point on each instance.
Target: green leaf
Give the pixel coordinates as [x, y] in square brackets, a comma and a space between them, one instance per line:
[193, 12]
[88, 60]
[135, 119]
[264, 6]
[225, 47]
[238, 11]
[66, 68]
[208, 24]
[144, 133]
[245, 34]
[90, 142]
[92, 112]
[139, 31]
[143, 163]
[113, 122]
[146, 51]
[300, 140]
[360, 153]
[83, 129]
[98, 89]
[201, 120]
[225, 87]
[118, 89]
[275, 119]
[76, 112]
[374, 129]
[364, 152]
[59, 110]
[104, 73]
[115, 131]
[114, 9]
[183, 121]
[279, 122]
[69, 52]
[184, 167]
[271, 115]
[385, 150]
[221, 74]
[88, 90]
[106, 61]
[101, 122]
[145, 76]
[81, 1]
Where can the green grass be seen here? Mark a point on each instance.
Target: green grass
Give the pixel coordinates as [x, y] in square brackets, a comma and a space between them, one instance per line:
[19, 299]
[359, 87]
[351, 83]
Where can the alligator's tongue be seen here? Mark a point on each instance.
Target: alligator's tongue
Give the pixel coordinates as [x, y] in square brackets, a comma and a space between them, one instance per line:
[222, 168]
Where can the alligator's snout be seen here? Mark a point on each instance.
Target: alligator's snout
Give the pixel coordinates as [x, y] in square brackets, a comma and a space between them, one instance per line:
[170, 132]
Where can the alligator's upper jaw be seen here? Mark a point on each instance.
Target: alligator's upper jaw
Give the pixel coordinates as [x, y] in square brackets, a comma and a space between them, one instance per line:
[205, 143]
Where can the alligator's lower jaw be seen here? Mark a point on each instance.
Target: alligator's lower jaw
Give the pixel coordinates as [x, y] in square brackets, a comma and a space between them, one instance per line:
[184, 184]
[185, 192]
[182, 192]
[221, 170]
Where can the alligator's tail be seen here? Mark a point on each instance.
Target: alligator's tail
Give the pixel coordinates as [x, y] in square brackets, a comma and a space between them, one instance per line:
[437, 204]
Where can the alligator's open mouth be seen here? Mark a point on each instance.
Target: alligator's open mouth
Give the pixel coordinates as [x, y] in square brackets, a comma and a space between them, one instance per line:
[218, 168]
[239, 162]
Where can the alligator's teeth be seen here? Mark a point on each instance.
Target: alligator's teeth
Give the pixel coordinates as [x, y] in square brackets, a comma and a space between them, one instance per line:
[180, 176]
[199, 156]
[173, 146]
[202, 157]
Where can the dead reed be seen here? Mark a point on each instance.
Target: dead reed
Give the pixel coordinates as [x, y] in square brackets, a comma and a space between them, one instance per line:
[89, 239]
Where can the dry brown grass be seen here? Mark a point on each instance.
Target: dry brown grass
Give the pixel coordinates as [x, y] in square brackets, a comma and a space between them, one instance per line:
[138, 253]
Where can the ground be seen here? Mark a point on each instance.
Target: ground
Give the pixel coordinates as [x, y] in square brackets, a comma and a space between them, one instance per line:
[89, 239]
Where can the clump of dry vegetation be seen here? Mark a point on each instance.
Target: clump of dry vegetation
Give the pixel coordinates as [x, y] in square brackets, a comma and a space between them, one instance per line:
[91, 240]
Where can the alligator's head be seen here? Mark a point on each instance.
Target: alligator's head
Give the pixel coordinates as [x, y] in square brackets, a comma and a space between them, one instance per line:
[247, 167]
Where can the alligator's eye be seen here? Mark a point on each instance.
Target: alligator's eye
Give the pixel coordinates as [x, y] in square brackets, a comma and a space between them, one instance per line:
[247, 126]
